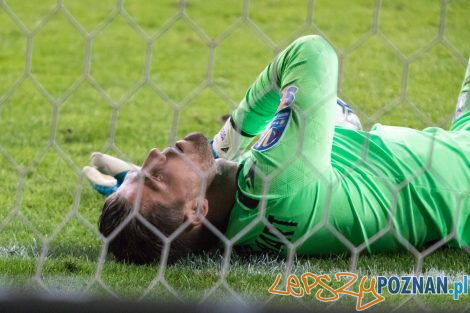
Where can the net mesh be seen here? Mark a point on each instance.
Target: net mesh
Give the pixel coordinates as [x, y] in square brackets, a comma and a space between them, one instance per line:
[111, 98]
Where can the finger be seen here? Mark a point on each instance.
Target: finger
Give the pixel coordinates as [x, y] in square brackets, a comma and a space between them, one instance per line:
[110, 165]
[102, 183]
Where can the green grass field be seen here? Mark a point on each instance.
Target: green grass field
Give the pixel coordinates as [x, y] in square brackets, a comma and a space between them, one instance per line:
[71, 90]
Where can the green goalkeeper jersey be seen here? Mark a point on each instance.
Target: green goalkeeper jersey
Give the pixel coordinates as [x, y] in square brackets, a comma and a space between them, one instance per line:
[311, 186]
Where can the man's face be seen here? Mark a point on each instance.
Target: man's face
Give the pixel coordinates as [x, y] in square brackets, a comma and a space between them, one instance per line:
[174, 175]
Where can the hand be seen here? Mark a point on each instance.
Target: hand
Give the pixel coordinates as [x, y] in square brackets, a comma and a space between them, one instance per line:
[106, 173]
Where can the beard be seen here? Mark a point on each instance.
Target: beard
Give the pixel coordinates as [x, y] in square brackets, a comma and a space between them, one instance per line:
[202, 150]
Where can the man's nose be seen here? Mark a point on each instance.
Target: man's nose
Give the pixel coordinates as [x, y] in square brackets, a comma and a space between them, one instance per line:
[154, 158]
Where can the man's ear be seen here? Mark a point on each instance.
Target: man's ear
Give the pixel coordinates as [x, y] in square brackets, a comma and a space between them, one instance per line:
[196, 212]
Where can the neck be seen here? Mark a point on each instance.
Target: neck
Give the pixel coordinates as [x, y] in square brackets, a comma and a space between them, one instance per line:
[221, 193]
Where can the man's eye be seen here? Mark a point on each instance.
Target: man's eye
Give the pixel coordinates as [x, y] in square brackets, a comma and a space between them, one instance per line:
[158, 177]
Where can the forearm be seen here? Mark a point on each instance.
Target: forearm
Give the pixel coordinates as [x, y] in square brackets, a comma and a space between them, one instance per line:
[303, 77]
[260, 103]
[308, 63]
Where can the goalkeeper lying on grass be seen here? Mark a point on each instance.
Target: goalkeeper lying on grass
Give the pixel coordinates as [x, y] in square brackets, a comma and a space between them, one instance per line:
[316, 184]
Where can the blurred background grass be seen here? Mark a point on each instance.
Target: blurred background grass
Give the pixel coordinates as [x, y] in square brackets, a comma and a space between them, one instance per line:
[153, 76]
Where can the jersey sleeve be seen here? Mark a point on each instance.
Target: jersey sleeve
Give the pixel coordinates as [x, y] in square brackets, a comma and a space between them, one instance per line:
[292, 103]
[310, 63]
